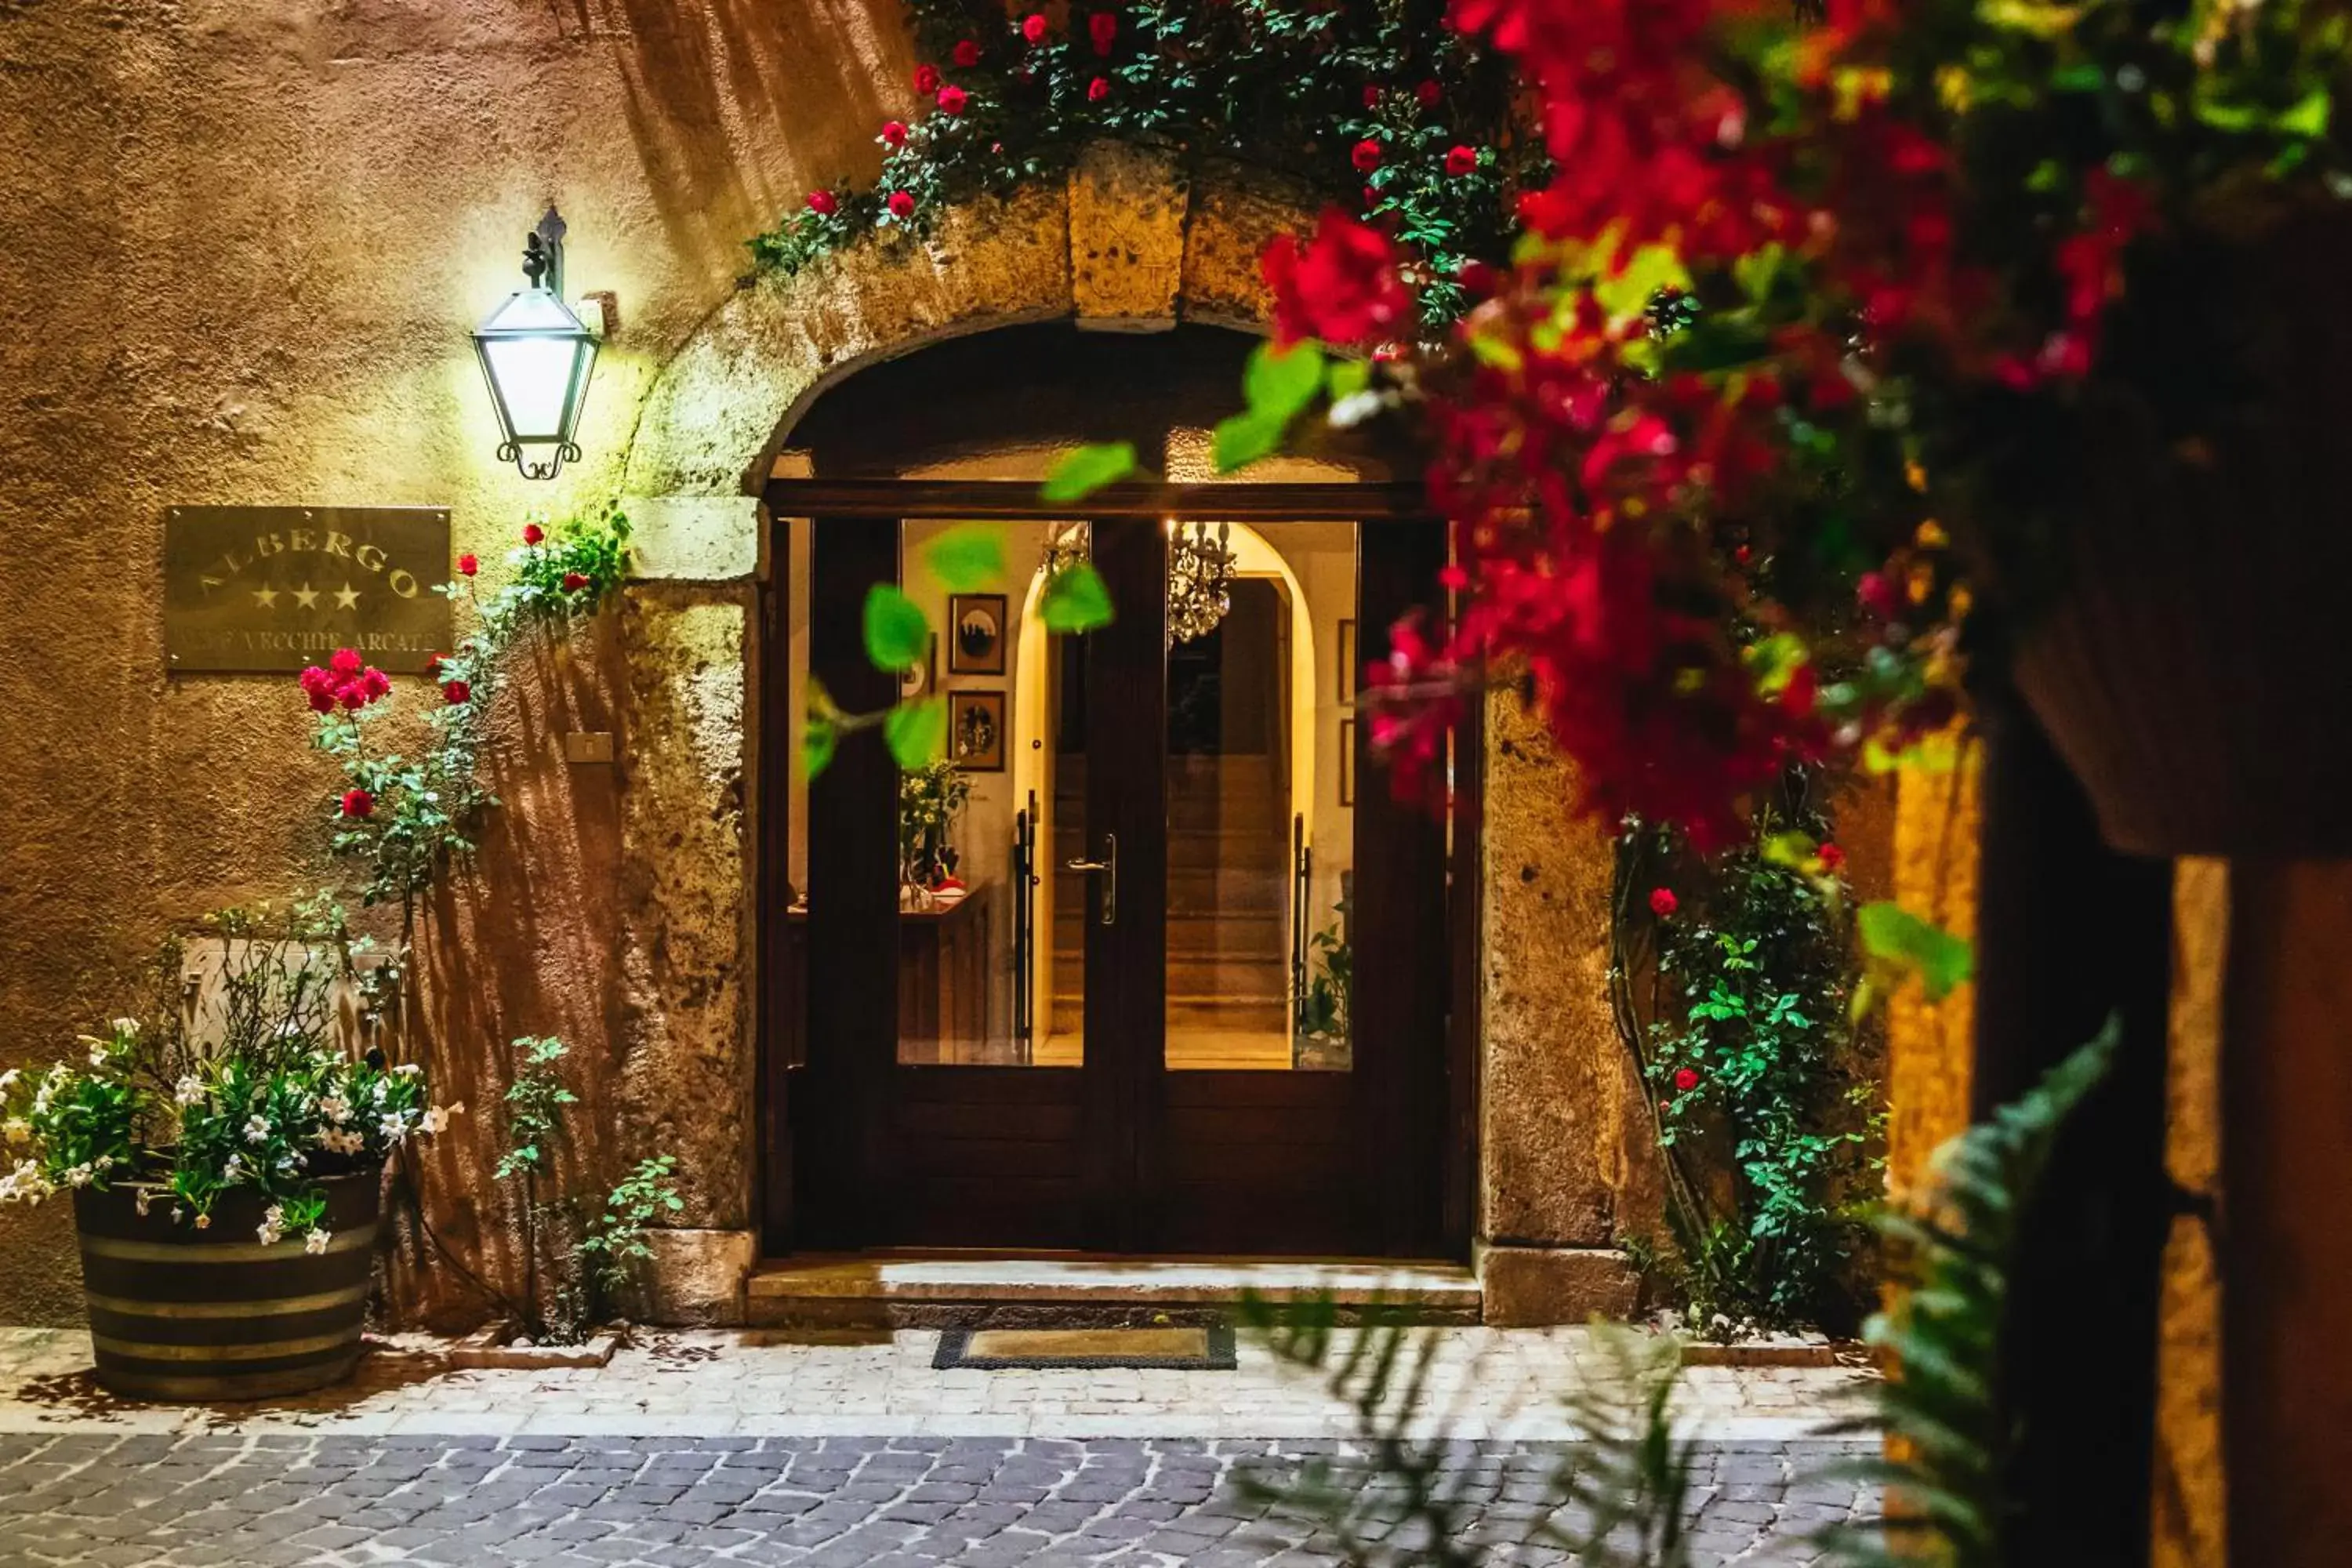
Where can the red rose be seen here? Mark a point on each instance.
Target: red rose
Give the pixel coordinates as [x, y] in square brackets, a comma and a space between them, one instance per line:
[1476, 277]
[967, 53]
[1034, 27]
[1663, 902]
[823, 204]
[1342, 286]
[1102, 28]
[1372, 197]
[901, 205]
[1686, 1080]
[358, 803]
[467, 565]
[347, 661]
[1097, 90]
[1877, 595]
[1831, 857]
[1460, 161]
[532, 533]
[1427, 94]
[433, 666]
[322, 700]
[374, 682]
[1371, 95]
[351, 695]
[456, 690]
[316, 680]
[573, 582]
[952, 99]
[1367, 155]
[894, 132]
[927, 79]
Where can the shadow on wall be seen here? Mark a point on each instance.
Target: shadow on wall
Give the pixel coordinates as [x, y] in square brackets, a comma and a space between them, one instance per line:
[525, 941]
[709, 88]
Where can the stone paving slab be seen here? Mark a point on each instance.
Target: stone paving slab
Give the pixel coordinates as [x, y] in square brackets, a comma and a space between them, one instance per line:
[1496, 1384]
[339, 1500]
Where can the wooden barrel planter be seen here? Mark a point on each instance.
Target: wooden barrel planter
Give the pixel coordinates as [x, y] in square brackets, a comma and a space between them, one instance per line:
[178, 1313]
[2194, 673]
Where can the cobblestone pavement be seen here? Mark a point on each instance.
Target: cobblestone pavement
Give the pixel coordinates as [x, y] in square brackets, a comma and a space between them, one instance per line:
[344, 1501]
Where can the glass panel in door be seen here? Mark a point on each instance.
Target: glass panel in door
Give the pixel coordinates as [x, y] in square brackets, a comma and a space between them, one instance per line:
[1260, 790]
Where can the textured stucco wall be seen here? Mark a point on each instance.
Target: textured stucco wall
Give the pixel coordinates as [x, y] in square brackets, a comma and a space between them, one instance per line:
[241, 243]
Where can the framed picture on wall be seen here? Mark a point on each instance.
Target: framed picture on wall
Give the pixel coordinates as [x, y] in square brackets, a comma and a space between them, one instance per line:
[1348, 756]
[976, 633]
[1346, 661]
[976, 730]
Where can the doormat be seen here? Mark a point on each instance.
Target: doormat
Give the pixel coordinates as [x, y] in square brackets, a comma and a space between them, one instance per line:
[1208, 1349]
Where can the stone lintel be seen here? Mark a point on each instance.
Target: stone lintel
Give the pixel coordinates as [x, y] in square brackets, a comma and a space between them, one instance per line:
[1128, 212]
[693, 537]
[1530, 1287]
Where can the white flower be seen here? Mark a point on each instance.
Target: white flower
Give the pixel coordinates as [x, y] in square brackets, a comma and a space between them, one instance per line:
[383, 1087]
[97, 1053]
[233, 1168]
[78, 1177]
[270, 1234]
[8, 1079]
[317, 1239]
[275, 1215]
[127, 1027]
[336, 1108]
[204, 1222]
[392, 1126]
[17, 1129]
[408, 1069]
[24, 1185]
[140, 1199]
[188, 1091]
[438, 1117]
[256, 1131]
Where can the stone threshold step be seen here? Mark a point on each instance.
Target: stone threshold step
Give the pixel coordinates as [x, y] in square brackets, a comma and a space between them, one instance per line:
[967, 1290]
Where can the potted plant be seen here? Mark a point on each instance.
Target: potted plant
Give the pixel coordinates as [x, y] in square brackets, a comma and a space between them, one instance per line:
[225, 1155]
[930, 798]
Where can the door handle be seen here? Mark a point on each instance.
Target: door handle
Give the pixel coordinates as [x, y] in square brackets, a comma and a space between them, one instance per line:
[1109, 867]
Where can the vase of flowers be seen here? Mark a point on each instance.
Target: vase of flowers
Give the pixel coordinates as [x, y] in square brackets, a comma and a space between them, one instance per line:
[225, 1155]
[930, 798]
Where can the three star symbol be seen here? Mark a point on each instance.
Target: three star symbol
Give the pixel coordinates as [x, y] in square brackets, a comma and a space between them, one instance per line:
[306, 597]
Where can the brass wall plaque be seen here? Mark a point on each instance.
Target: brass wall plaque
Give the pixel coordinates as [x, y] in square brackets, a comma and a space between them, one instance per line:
[277, 587]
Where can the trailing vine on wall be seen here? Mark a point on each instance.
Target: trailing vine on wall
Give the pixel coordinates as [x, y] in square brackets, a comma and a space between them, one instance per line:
[1733, 980]
[1373, 102]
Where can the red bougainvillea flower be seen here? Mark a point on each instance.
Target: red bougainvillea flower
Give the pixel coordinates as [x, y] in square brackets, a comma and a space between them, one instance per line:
[1034, 27]
[1097, 90]
[894, 133]
[967, 53]
[532, 533]
[467, 565]
[358, 803]
[1460, 161]
[1103, 28]
[1686, 1080]
[822, 203]
[1366, 156]
[1428, 94]
[927, 79]
[1342, 286]
[1663, 902]
[901, 205]
[455, 691]
[573, 582]
[1832, 857]
[952, 99]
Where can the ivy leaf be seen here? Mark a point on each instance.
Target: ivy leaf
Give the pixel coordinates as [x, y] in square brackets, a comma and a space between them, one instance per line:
[897, 632]
[969, 555]
[1074, 600]
[1242, 439]
[1089, 470]
[1894, 936]
[915, 732]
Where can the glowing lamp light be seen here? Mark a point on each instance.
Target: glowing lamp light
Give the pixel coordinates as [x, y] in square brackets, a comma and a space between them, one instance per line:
[538, 354]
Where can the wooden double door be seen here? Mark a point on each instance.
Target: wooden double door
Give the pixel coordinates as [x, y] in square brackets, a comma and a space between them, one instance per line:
[1216, 949]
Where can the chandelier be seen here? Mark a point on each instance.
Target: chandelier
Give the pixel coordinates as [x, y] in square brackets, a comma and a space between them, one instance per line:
[1200, 578]
[1067, 544]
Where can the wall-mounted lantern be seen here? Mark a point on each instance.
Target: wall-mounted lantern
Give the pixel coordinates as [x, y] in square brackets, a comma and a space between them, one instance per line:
[536, 355]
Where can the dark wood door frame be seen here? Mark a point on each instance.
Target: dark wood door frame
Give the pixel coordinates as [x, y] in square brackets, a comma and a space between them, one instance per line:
[825, 1181]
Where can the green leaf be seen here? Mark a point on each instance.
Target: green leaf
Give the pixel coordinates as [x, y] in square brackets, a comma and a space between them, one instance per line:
[1647, 270]
[1894, 935]
[1074, 600]
[1089, 470]
[968, 556]
[1242, 439]
[1279, 383]
[1348, 377]
[915, 732]
[2308, 117]
[897, 632]
[820, 738]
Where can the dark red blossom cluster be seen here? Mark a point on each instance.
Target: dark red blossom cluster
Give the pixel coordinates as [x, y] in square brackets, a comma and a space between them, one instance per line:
[346, 682]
